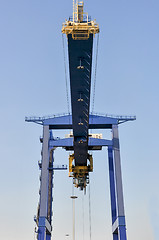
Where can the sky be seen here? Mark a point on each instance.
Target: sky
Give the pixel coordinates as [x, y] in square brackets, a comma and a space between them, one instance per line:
[32, 83]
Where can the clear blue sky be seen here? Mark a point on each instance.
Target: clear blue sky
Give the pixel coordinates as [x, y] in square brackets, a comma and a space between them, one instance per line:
[33, 83]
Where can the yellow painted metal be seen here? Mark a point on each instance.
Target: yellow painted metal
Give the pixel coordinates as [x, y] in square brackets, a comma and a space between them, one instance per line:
[80, 28]
[71, 158]
[91, 162]
[80, 171]
[80, 174]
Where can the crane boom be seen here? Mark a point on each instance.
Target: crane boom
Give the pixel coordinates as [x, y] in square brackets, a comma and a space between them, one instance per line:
[80, 33]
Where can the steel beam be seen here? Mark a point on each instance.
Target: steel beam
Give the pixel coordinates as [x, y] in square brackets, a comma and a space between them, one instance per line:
[44, 173]
[68, 142]
[45, 206]
[41, 233]
[119, 225]
[48, 236]
[95, 121]
[112, 184]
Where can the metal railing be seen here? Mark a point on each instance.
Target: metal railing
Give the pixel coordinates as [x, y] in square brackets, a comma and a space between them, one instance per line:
[84, 18]
[120, 117]
[41, 119]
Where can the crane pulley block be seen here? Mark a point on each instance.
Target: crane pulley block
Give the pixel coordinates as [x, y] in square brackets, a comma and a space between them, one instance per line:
[80, 173]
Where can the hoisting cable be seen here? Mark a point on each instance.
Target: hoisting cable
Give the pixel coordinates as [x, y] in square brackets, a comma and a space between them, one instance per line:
[90, 226]
[66, 80]
[72, 188]
[95, 74]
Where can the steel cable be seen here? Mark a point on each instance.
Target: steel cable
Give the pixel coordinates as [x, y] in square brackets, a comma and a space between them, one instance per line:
[95, 74]
[66, 80]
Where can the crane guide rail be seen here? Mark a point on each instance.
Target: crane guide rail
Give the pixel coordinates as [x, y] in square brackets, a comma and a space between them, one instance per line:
[80, 31]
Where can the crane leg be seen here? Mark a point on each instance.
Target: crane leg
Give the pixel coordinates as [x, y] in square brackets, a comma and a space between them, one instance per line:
[122, 233]
[112, 189]
[116, 191]
[48, 236]
[41, 233]
[115, 236]
[45, 205]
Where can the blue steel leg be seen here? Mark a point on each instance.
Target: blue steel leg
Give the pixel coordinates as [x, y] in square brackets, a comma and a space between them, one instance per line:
[48, 236]
[112, 184]
[50, 198]
[122, 233]
[112, 189]
[51, 173]
[115, 236]
[45, 207]
[119, 226]
[41, 233]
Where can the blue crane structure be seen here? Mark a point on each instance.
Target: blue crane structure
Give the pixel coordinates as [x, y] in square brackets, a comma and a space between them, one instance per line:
[80, 31]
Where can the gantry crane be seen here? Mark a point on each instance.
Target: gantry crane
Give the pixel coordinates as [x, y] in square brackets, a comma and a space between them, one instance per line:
[80, 31]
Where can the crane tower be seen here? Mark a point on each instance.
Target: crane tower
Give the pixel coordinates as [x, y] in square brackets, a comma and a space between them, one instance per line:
[80, 31]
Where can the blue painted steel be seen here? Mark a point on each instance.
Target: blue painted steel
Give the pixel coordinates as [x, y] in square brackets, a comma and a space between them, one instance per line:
[65, 121]
[118, 222]
[68, 142]
[95, 122]
[41, 233]
[115, 236]
[121, 221]
[122, 233]
[50, 195]
[112, 184]
[48, 236]
[44, 221]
